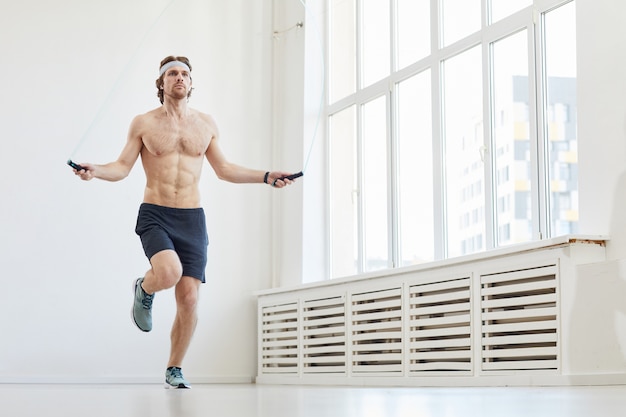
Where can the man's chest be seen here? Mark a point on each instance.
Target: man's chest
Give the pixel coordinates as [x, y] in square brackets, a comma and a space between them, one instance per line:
[187, 139]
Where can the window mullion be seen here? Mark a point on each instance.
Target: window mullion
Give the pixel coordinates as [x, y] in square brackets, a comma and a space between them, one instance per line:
[393, 36]
[392, 132]
[361, 264]
[439, 223]
[359, 45]
[358, 193]
[537, 113]
[488, 153]
[392, 175]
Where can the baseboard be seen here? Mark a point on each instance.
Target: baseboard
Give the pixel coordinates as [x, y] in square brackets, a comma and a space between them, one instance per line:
[465, 381]
[119, 379]
[461, 381]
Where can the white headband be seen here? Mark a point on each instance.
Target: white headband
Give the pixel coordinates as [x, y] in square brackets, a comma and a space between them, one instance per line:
[171, 64]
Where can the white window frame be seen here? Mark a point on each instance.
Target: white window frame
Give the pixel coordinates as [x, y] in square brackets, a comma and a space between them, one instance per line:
[529, 19]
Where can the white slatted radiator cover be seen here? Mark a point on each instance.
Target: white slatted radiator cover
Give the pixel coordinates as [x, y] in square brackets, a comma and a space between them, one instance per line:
[280, 339]
[518, 329]
[377, 331]
[440, 327]
[491, 320]
[520, 320]
[324, 336]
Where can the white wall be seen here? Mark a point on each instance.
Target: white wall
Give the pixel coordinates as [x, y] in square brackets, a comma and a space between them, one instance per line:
[287, 127]
[67, 248]
[602, 120]
[299, 126]
[602, 164]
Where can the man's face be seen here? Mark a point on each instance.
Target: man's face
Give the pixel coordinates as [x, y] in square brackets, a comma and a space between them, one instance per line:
[176, 82]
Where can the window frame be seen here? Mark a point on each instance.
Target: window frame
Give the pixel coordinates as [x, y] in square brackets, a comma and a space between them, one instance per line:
[529, 19]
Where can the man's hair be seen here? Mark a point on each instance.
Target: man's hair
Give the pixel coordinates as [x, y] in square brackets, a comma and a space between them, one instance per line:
[159, 81]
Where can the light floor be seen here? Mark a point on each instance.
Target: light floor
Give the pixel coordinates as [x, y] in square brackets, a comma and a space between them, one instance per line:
[307, 401]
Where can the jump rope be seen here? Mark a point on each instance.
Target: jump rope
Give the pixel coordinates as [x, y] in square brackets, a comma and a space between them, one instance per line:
[107, 99]
[105, 103]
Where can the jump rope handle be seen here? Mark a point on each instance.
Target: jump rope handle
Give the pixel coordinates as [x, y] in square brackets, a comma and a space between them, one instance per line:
[292, 176]
[289, 177]
[75, 165]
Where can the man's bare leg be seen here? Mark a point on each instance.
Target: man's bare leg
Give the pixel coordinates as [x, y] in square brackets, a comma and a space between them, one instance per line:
[186, 319]
[165, 272]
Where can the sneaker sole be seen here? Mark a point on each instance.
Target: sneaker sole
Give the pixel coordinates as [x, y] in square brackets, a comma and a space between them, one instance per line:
[132, 308]
[180, 386]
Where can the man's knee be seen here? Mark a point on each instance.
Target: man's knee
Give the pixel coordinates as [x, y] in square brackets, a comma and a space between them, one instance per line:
[187, 293]
[167, 268]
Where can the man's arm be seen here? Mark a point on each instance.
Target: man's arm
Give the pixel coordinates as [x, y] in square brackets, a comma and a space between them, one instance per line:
[228, 171]
[120, 168]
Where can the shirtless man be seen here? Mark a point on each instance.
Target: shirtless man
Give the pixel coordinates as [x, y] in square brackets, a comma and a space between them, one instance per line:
[173, 140]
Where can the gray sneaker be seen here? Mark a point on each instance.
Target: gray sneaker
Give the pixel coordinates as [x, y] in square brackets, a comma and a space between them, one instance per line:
[142, 307]
[174, 378]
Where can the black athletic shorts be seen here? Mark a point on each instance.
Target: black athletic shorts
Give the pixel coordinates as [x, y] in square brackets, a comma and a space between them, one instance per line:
[181, 230]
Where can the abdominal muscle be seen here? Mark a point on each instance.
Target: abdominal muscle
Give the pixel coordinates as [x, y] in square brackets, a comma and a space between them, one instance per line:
[172, 179]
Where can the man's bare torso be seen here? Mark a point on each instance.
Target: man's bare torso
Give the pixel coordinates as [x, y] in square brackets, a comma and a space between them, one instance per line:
[172, 155]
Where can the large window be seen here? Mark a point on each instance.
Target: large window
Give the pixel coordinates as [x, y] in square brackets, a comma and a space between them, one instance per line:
[452, 128]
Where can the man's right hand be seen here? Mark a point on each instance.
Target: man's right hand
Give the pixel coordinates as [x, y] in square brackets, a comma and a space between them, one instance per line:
[86, 173]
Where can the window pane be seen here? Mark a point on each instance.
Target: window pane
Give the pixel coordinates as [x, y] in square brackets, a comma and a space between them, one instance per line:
[562, 142]
[415, 171]
[375, 176]
[376, 41]
[504, 8]
[344, 202]
[464, 172]
[342, 65]
[460, 18]
[413, 31]
[510, 124]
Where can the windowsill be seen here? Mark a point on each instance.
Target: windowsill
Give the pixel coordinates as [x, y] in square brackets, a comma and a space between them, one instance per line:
[553, 243]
